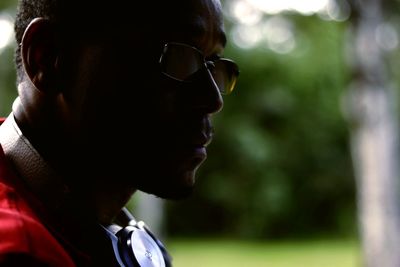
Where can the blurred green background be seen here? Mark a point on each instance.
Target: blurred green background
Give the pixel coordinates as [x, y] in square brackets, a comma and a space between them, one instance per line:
[278, 187]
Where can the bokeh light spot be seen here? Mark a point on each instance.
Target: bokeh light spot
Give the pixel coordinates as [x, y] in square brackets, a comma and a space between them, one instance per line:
[6, 31]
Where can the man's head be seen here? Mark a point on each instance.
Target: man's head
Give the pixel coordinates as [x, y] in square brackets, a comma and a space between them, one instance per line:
[98, 103]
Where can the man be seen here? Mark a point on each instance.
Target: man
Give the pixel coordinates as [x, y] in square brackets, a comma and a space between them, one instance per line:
[112, 99]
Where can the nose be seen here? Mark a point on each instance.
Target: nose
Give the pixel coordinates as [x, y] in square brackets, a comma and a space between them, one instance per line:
[208, 98]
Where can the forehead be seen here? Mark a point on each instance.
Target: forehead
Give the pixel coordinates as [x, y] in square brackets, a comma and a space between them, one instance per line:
[196, 22]
[154, 23]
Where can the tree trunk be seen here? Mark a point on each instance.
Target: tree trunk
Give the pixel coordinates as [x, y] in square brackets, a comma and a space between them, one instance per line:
[374, 140]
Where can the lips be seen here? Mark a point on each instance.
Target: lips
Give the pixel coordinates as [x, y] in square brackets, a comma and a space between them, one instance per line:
[201, 140]
[190, 136]
[199, 134]
[196, 151]
[187, 143]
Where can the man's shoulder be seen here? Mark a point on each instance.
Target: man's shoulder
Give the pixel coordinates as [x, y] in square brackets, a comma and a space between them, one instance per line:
[18, 227]
[23, 234]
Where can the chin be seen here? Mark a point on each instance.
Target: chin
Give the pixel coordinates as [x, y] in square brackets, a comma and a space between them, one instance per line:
[173, 187]
[173, 193]
[169, 192]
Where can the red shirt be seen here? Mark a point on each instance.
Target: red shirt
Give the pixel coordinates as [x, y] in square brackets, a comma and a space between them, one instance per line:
[33, 233]
[24, 240]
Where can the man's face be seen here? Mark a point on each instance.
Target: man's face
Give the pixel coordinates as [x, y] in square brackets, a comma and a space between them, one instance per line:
[137, 126]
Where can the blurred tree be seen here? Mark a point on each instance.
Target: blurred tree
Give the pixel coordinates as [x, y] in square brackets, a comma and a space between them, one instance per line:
[375, 135]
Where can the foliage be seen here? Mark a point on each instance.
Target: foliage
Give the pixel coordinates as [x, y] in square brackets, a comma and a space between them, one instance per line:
[7, 81]
[7, 70]
[4, 4]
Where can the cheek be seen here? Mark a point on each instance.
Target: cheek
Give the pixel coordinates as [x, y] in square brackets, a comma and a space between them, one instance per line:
[141, 112]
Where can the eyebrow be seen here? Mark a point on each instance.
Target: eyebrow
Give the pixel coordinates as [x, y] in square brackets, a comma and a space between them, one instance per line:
[199, 29]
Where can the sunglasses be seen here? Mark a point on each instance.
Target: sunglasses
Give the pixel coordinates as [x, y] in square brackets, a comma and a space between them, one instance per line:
[180, 61]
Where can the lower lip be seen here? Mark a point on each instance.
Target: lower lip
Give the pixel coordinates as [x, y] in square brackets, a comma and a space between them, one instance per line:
[195, 154]
[199, 155]
[199, 152]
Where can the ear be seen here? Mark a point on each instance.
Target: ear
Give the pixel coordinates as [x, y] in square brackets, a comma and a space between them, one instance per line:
[40, 55]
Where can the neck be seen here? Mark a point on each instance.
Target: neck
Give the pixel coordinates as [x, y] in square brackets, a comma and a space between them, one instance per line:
[107, 208]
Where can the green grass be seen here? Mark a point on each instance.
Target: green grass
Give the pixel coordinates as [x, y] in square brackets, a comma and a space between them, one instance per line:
[222, 253]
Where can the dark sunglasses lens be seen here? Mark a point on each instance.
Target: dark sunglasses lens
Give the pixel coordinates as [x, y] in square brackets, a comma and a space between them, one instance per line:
[180, 61]
[225, 75]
